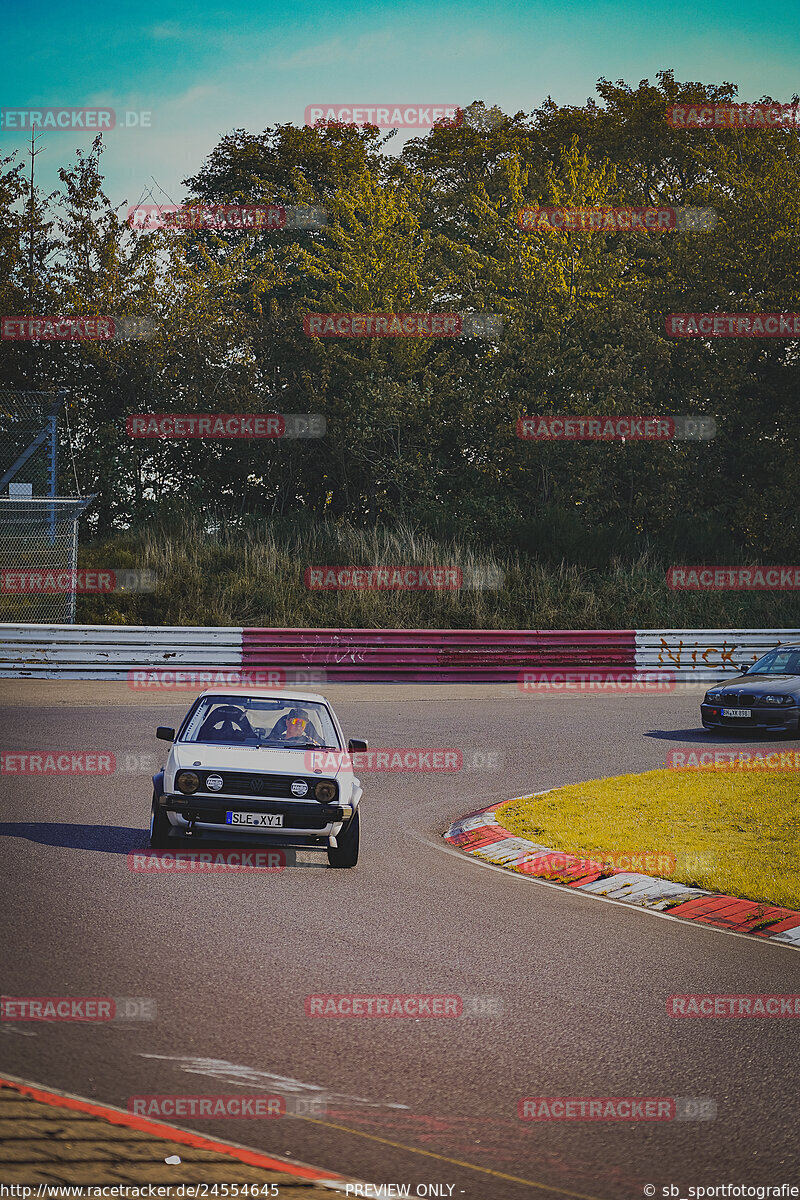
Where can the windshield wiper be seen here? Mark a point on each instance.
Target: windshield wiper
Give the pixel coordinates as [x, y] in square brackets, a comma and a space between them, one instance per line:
[274, 745]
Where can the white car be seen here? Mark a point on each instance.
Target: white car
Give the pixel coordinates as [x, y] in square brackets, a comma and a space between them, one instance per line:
[263, 767]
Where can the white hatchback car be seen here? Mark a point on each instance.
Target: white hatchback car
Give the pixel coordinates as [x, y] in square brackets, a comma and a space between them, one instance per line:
[261, 767]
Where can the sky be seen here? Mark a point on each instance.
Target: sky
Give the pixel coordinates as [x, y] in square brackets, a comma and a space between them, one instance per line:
[201, 71]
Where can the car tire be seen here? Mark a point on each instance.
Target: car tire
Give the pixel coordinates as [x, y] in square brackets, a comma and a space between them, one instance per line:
[346, 853]
[159, 826]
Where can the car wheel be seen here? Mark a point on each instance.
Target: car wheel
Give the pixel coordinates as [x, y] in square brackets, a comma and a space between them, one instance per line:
[346, 853]
[159, 826]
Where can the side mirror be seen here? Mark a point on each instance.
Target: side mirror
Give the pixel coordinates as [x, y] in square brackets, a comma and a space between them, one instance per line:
[743, 668]
[355, 745]
[165, 734]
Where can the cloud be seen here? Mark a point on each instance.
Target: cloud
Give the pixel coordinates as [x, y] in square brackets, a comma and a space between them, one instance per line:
[167, 30]
[337, 50]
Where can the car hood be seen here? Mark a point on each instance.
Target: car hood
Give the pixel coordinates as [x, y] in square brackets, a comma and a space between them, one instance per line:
[778, 685]
[329, 764]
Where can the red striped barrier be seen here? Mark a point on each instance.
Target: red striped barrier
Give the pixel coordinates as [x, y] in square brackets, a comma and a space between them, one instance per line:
[481, 835]
[436, 655]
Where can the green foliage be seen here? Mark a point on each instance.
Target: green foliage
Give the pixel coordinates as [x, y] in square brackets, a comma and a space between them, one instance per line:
[422, 431]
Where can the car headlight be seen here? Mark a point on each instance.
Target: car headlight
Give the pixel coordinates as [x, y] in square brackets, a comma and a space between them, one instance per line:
[713, 697]
[779, 699]
[187, 782]
[325, 791]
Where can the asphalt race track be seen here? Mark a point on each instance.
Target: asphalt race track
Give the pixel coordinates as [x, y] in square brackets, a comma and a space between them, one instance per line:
[581, 984]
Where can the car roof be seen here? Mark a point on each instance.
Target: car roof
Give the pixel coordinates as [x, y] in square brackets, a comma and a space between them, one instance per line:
[263, 694]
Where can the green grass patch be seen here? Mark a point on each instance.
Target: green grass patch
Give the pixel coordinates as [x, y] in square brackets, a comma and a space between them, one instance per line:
[729, 832]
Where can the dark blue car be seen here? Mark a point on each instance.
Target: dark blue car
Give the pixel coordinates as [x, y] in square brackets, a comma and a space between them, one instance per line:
[765, 696]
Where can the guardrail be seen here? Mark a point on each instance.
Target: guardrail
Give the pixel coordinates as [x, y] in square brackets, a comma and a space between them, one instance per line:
[435, 655]
[111, 651]
[705, 653]
[374, 655]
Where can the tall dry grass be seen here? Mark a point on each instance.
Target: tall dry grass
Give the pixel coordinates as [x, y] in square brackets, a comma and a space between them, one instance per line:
[256, 577]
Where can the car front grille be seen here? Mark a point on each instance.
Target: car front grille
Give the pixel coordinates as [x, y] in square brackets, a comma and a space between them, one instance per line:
[738, 700]
[248, 783]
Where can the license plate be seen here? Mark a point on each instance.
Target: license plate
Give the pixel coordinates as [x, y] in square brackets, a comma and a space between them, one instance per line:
[250, 818]
[737, 712]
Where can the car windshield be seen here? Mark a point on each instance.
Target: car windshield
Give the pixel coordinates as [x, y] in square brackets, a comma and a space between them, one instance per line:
[778, 662]
[250, 721]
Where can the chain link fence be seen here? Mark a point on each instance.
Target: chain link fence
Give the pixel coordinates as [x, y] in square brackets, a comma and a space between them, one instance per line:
[28, 439]
[38, 533]
[38, 559]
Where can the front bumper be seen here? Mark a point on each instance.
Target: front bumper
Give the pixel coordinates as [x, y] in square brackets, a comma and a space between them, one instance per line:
[777, 719]
[304, 823]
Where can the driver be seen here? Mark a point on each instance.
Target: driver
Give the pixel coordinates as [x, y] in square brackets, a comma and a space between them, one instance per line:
[297, 727]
